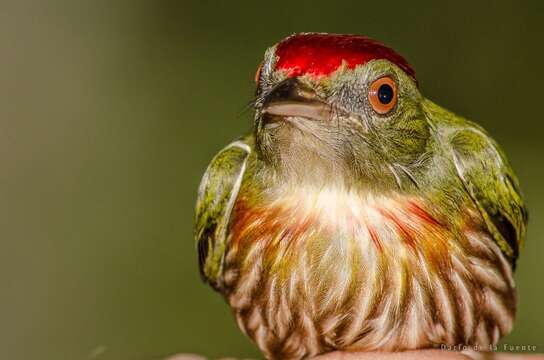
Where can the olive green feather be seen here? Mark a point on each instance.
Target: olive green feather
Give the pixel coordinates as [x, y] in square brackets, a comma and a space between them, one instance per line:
[486, 176]
[216, 195]
[491, 183]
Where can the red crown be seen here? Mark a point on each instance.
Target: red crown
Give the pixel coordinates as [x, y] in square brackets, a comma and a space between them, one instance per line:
[321, 54]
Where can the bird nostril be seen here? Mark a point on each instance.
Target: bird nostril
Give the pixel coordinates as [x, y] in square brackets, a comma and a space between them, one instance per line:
[284, 90]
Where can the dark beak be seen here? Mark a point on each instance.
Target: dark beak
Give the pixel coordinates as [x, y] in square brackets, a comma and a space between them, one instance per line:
[292, 99]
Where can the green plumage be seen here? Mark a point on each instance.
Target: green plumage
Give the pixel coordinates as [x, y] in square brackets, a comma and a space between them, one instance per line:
[479, 166]
[358, 215]
[486, 176]
[216, 195]
[418, 149]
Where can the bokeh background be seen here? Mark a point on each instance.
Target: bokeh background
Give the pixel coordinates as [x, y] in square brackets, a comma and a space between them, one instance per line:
[110, 111]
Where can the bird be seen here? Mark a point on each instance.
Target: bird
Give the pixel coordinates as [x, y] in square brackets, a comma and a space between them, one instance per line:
[358, 215]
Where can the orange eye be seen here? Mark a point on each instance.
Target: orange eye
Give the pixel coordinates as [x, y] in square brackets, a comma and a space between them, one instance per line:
[382, 95]
[258, 73]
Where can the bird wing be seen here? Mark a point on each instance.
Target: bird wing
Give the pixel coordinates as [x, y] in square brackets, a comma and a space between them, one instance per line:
[216, 196]
[492, 185]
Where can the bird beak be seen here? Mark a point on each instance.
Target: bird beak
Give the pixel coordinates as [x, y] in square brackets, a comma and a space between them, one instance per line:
[292, 99]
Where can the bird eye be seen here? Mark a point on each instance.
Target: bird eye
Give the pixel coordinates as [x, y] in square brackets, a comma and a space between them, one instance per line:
[258, 73]
[382, 95]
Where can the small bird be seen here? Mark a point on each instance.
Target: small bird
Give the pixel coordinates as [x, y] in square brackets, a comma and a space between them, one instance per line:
[359, 215]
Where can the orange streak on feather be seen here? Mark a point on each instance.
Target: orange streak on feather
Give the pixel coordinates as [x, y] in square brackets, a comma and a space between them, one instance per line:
[278, 231]
[403, 228]
[375, 238]
[417, 210]
[436, 247]
[281, 229]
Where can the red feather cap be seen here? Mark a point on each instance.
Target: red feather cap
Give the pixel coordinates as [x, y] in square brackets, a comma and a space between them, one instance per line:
[319, 55]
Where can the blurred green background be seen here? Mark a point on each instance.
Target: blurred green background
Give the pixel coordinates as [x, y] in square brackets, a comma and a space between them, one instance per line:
[110, 111]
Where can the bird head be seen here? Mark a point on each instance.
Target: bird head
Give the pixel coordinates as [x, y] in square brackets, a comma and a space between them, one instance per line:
[338, 108]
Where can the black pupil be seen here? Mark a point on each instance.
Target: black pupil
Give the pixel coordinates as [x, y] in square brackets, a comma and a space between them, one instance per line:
[385, 94]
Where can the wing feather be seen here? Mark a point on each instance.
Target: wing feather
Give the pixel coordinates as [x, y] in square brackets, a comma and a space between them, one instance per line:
[492, 185]
[216, 196]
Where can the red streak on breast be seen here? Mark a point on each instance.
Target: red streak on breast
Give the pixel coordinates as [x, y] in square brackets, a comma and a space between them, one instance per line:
[403, 228]
[260, 222]
[423, 214]
[271, 224]
[375, 238]
[321, 54]
[281, 232]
